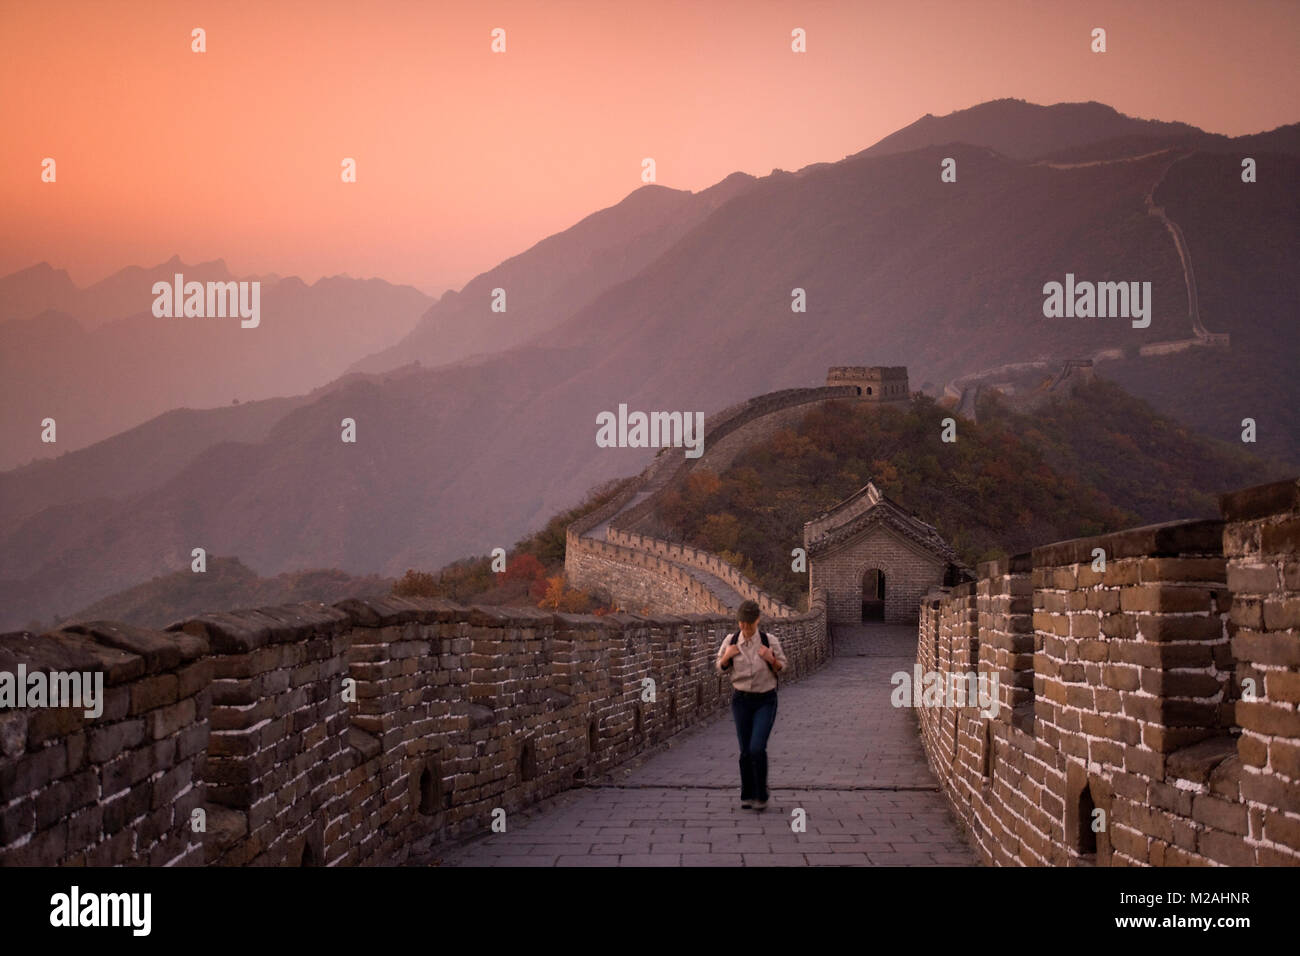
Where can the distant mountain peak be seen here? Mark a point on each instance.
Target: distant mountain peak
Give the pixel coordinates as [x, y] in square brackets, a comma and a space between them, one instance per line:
[41, 268]
[1022, 130]
[40, 272]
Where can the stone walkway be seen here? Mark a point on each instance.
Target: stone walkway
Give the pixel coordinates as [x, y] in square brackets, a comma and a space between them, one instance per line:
[839, 751]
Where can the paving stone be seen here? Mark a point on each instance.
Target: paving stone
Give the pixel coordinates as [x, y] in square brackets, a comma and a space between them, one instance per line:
[650, 859]
[861, 779]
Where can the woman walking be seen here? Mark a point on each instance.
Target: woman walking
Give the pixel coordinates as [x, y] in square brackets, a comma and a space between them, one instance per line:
[753, 658]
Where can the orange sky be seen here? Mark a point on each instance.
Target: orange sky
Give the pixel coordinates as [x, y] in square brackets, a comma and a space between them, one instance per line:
[466, 157]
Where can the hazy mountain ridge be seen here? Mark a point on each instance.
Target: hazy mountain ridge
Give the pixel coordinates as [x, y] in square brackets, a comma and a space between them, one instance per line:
[900, 269]
[41, 287]
[98, 377]
[547, 282]
[226, 584]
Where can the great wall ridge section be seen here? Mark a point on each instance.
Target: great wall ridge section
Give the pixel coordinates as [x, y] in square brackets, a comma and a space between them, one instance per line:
[965, 389]
[1128, 681]
[610, 549]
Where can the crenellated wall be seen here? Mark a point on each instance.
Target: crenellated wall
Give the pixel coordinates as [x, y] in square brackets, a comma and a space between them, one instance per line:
[1161, 691]
[364, 733]
[705, 561]
[614, 548]
[643, 580]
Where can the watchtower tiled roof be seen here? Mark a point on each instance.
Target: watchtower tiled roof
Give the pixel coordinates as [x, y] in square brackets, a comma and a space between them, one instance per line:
[865, 509]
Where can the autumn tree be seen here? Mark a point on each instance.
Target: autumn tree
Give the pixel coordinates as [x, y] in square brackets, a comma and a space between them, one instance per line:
[554, 595]
[523, 567]
[416, 584]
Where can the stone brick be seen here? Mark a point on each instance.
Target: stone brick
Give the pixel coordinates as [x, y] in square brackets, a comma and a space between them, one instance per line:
[1219, 814]
[1244, 579]
[1279, 649]
[1281, 614]
[17, 820]
[1225, 848]
[1162, 628]
[1280, 538]
[1282, 686]
[193, 678]
[1180, 684]
[1282, 828]
[1284, 756]
[166, 721]
[1267, 718]
[150, 692]
[1254, 753]
[1183, 569]
[46, 848]
[1271, 791]
[34, 770]
[1165, 599]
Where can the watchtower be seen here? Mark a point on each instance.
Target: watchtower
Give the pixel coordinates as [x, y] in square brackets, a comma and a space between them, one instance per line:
[875, 383]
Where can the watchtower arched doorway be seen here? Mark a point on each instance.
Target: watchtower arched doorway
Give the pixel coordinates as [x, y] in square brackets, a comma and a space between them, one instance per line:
[873, 595]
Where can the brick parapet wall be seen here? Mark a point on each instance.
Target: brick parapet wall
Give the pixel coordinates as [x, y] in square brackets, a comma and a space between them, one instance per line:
[116, 788]
[1262, 546]
[1120, 691]
[1006, 631]
[366, 733]
[276, 761]
[705, 561]
[638, 579]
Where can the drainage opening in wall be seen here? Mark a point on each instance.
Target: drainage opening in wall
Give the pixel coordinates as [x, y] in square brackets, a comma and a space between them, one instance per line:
[699, 696]
[430, 788]
[527, 761]
[593, 738]
[636, 720]
[1085, 838]
[312, 851]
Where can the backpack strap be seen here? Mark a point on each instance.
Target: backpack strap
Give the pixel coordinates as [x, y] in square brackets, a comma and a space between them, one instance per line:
[762, 635]
[767, 643]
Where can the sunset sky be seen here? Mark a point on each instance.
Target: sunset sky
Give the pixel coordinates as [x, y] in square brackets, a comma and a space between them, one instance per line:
[466, 157]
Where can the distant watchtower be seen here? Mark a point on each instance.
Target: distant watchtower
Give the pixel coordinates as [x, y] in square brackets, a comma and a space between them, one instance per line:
[875, 383]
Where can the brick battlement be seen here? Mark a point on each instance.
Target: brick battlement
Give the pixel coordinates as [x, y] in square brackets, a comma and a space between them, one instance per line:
[644, 545]
[1161, 691]
[363, 733]
[616, 561]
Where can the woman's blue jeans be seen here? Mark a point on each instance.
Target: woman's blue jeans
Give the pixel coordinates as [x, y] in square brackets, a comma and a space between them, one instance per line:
[754, 715]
